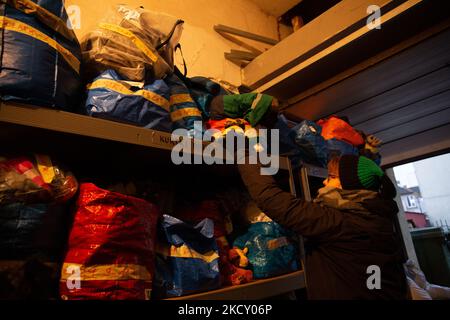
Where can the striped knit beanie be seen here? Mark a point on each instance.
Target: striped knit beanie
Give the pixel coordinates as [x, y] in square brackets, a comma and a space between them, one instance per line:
[359, 172]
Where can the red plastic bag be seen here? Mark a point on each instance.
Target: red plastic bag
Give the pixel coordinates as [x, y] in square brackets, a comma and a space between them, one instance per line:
[334, 127]
[205, 209]
[111, 247]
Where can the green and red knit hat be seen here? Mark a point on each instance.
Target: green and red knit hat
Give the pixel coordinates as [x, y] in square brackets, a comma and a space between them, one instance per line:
[359, 172]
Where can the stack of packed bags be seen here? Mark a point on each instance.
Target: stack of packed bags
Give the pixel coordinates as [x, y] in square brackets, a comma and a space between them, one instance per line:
[200, 249]
[126, 59]
[113, 242]
[317, 142]
[34, 219]
[127, 66]
[130, 69]
[40, 57]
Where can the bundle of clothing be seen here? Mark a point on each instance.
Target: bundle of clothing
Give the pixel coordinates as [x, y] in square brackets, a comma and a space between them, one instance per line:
[129, 67]
[318, 142]
[34, 221]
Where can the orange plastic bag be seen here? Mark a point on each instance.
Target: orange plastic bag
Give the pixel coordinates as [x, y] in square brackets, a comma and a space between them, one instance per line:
[334, 127]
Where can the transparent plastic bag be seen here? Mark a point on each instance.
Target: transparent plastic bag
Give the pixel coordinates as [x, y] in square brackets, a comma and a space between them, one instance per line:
[137, 43]
[34, 180]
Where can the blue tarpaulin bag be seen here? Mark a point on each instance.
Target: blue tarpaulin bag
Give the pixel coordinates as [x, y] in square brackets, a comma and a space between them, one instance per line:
[338, 148]
[203, 90]
[187, 259]
[110, 97]
[312, 146]
[270, 252]
[40, 55]
[32, 242]
[183, 109]
[287, 136]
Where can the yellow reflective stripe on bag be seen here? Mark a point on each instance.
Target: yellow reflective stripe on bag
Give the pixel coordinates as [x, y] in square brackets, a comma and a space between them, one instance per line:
[80, 272]
[184, 251]
[181, 98]
[183, 113]
[135, 39]
[120, 87]
[155, 98]
[111, 85]
[45, 16]
[20, 27]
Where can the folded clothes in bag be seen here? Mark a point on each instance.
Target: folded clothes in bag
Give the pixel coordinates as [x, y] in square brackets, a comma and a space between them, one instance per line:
[110, 97]
[39, 55]
[270, 252]
[187, 260]
[111, 247]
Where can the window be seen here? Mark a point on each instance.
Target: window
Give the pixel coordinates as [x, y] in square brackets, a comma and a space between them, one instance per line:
[411, 201]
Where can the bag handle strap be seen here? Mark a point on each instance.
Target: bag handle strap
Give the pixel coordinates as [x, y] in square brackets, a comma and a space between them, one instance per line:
[169, 36]
[177, 71]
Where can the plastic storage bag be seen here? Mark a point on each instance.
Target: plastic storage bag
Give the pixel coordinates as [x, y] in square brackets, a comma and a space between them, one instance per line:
[110, 248]
[311, 145]
[203, 90]
[110, 97]
[334, 127]
[33, 180]
[137, 43]
[32, 240]
[40, 56]
[287, 135]
[183, 109]
[338, 148]
[270, 252]
[229, 274]
[188, 259]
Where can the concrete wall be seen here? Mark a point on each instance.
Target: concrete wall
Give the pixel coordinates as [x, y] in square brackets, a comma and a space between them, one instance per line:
[203, 48]
[433, 175]
[404, 228]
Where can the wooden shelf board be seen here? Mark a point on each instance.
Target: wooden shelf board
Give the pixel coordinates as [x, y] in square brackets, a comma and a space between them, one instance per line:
[73, 123]
[259, 289]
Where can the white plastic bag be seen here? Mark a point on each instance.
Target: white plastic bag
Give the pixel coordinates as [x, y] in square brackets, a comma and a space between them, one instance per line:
[136, 43]
[420, 288]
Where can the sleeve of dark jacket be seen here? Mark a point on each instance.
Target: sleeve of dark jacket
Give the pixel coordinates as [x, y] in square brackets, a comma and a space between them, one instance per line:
[306, 218]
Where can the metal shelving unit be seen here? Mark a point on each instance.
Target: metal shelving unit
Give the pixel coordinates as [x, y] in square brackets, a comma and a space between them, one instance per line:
[33, 118]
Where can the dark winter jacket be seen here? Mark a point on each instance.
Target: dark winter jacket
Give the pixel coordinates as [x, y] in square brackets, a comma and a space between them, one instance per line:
[341, 244]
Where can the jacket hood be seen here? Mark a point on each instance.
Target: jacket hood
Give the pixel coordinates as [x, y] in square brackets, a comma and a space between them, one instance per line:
[365, 202]
[382, 207]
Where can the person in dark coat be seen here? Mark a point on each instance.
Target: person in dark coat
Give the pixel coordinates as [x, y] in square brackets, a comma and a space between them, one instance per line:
[349, 229]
